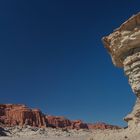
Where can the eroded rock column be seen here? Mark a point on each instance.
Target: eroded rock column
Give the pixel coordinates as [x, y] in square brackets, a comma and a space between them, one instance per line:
[124, 47]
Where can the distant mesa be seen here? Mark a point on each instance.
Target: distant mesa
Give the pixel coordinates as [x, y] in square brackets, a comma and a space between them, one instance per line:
[101, 125]
[21, 115]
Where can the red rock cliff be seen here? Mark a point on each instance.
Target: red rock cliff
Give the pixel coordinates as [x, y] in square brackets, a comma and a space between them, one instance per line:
[78, 124]
[62, 122]
[102, 126]
[19, 114]
[11, 114]
[58, 121]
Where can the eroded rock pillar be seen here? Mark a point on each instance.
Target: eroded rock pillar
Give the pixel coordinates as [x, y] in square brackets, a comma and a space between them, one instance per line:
[124, 47]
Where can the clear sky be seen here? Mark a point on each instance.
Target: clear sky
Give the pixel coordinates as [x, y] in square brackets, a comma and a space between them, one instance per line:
[52, 57]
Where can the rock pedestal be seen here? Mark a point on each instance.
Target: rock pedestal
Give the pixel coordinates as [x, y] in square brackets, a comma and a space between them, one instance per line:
[124, 47]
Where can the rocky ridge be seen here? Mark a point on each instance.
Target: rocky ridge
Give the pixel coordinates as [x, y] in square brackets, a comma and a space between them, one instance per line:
[102, 126]
[20, 115]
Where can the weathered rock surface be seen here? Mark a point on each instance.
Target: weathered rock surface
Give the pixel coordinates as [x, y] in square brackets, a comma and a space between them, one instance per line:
[35, 132]
[58, 121]
[62, 122]
[124, 47]
[78, 124]
[20, 115]
[2, 132]
[11, 115]
[102, 126]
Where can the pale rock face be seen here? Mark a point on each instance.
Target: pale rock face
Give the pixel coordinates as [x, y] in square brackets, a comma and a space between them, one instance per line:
[124, 47]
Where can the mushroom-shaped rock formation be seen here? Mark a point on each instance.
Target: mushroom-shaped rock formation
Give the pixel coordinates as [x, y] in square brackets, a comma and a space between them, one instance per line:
[124, 47]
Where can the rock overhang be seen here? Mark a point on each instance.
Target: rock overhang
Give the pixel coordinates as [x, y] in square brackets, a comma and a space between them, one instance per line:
[124, 47]
[123, 40]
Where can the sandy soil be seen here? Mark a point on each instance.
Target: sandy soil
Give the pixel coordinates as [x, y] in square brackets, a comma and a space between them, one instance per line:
[58, 138]
[121, 134]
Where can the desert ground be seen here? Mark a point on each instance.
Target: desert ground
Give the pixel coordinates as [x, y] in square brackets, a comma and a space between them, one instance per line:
[121, 134]
[58, 138]
[30, 133]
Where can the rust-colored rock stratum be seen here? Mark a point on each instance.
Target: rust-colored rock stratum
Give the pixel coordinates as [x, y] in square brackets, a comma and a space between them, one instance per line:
[21, 115]
[11, 115]
[124, 47]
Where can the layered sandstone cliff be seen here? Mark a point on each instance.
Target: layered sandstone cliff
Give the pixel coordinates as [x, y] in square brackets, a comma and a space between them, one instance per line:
[102, 126]
[124, 47]
[11, 115]
[21, 115]
[58, 121]
[62, 122]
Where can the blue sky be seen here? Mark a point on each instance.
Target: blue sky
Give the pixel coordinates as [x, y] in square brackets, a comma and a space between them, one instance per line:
[52, 57]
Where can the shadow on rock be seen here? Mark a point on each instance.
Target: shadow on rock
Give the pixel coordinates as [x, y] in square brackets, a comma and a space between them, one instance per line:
[2, 132]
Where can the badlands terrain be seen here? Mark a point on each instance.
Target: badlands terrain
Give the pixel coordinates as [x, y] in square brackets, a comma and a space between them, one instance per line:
[18, 122]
